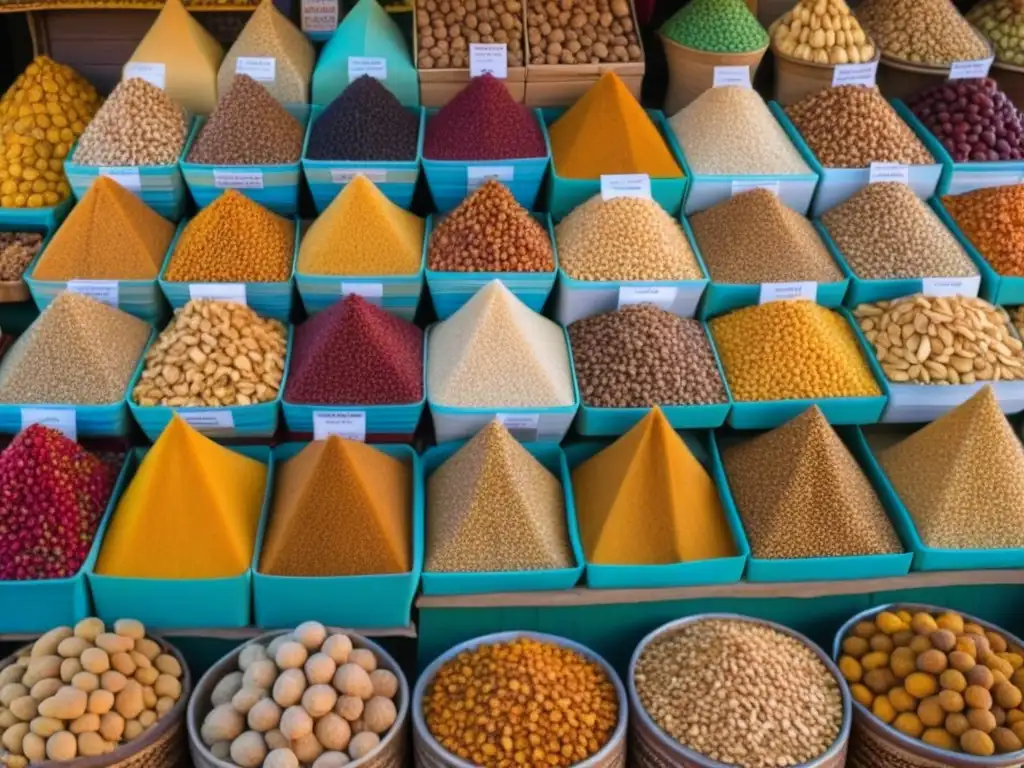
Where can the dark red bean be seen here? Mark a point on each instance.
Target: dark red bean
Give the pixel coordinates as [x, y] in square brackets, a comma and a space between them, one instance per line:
[973, 120]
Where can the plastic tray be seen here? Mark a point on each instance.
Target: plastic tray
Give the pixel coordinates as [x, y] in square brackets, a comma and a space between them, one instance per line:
[342, 601]
[35, 219]
[552, 457]
[397, 180]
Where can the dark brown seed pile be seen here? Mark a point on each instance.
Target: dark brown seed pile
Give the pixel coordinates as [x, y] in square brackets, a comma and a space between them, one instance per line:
[248, 127]
[17, 249]
[641, 356]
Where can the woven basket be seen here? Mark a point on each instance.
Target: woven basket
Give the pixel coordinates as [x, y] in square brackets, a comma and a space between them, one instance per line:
[691, 72]
[163, 745]
[876, 744]
[651, 748]
[430, 754]
[393, 747]
[796, 78]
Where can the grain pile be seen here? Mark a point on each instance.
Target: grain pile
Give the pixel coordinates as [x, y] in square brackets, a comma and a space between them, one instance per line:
[17, 249]
[190, 512]
[954, 340]
[625, 238]
[248, 128]
[886, 232]
[699, 681]
[721, 26]
[446, 28]
[755, 238]
[234, 239]
[801, 493]
[850, 126]
[358, 354]
[787, 350]
[960, 478]
[493, 507]
[642, 356]
[731, 131]
[41, 115]
[270, 34]
[365, 122]
[137, 125]
[497, 352]
[647, 500]
[341, 508]
[930, 32]
[490, 232]
[109, 235]
[587, 31]
[362, 233]
[992, 219]
[825, 33]
[77, 352]
[1001, 21]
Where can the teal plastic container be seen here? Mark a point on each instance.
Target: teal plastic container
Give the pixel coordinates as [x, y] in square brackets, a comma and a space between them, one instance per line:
[326, 178]
[38, 605]
[359, 602]
[270, 299]
[721, 570]
[565, 194]
[552, 457]
[35, 219]
[180, 603]
[768, 414]
[258, 420]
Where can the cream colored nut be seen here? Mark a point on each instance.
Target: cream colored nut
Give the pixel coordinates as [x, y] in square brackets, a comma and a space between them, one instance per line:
[72, 647]
[87, 722]
[130, 628]
[112, 643]
[100, 702]
[113, 681]
[111, 726]
[89, 629]
[47, 644]
[67, 704]
[46, 726]
[44, 689]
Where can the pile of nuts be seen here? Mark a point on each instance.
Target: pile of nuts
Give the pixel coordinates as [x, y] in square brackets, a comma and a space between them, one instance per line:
[940, 678]
[1002, 22]
[581, 32]
[942, 340]
[214, 354]
[992, 219]
[930, 32]
[822, 31]
[82, 692]
[974, 120]
[17, 249]
[308, 698]
[445, 29]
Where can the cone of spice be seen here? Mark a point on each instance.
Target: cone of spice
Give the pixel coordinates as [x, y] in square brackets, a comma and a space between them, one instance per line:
[365, 122]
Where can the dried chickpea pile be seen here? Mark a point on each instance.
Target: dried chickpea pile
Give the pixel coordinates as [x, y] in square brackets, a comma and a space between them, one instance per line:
[17, 249]
[787, 350]
[84, 691]
[993, 220]
[939, 678]
[1002, 22]
[522, 702]
[581, 32]
[740, 693]
[822, 31]
[214, 353]
[309, 698]
[954, 340]
[930, 32]
[445, 29]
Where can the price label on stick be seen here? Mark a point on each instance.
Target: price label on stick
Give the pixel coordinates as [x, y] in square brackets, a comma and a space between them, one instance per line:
[626, 185]
[488, 59]
[855, 74]
[896, 172]
[736, 76]
[968, 70]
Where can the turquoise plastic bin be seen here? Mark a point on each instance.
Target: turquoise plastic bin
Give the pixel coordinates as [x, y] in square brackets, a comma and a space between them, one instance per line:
[326, 178]
[450, 290]
[270, 299]
[565, 194]
[552, 457]
[180, 603]
[35, 219]
[258, 420]
[449, 180]
[38, 605]
[721, 570]
[359, 602]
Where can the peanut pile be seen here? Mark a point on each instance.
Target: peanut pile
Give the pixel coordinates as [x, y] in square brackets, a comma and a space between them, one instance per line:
[930, 32]
[17, 249]
[954, 340]
[822, 31]
[213, 354]
[581, 31]
[445, 29]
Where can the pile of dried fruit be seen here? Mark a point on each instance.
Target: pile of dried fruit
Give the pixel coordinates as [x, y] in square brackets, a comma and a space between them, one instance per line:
[446, 29]
[825, 33]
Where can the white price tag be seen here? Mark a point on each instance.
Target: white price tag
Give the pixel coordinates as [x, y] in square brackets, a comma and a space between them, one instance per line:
[855, 74]
[224, 178]
[968, 70]
[663, 296]
[375, 67]
[105, 291]
[738, 76]
[523, 426]
[372, 292]
[61, 419]
[319, 15]
[951, 286]
[154, 73]
[896, 172]
[207, 420]
[739, 186]
[345, 175]
[626, 185]
[263, 69]
[478, 175]
[348, 424]
[488, 59]
[128, 178]
[222, 291]
[788, 292]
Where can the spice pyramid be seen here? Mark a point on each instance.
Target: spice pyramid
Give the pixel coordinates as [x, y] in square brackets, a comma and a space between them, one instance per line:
[647, 500]
[269, 34]
[493, 507]
[110, 235]
[190, 56]
[497, 352]
[960, 477]
[365, 122]
[355, 353]
[190, 512]
[362, 233]
[801, 493]
[341, 508]
[608, 132]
